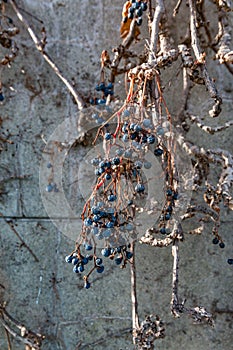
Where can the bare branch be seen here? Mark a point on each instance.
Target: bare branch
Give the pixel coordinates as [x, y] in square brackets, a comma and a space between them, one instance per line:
[40, 47]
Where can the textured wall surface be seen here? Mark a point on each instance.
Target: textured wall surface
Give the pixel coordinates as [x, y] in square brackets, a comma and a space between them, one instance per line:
[36, 103]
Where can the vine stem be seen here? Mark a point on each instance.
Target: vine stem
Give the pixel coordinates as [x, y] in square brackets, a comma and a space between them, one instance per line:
[159, 10]
[40, 47]
[134, 301]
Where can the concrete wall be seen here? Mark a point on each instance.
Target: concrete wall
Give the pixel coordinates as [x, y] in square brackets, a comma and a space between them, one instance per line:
[36, 103]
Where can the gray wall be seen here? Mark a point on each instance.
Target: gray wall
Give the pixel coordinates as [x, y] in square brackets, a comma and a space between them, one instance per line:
[38, 102]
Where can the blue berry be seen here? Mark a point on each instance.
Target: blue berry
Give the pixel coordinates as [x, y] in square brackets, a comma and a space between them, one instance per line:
[128, 153]
[49, 188]
[87, 285]
[107, 176]
[95, 210]
[131, 10]
[88, 222]
[1, 97]
[151, 139]
[99, 261]
[100, 269]
[101, 101]
[125, 138]
[133, 136]
[95, 231]
[110, 86]
[112, 197]
[101, 86]
[138, 164]
[116, 161]
[89, 257]
[106, 252]
[107, 136]
[69, 259]
[230, 261]
[102, 164]
[129, 255]
[118, 260]
[130, 15]
[137, 128]
[146, 123]
[108, 164]
[169, 192]
[88, 246]
[221, 245]
[215, 240]
[139, 12]
[163, 230]
[144, 6]
[132, 126]
[97, 173]
[160, 131]
[139, 188]
[80, 268]
[96, 217]
[126, 113]
[158, 152]
[119, 151]
[110, 224]
[167, 216]
[75, 261]
[147, 165]
[84, 260]
[175, 196]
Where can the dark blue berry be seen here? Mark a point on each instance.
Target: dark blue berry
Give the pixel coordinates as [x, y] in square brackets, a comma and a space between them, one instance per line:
[144, 6]
[88, 222]
[101, 101]
[106, 252]
[129, 255]
[167, 216]
[130, 15]
[75, 261]
[80, 268]
[230, 261]
[107, 136]
[158, 152]
[169, 192]
[139, 21]
[49, 188]
[138, 164]
[112, 197]
[133, 136]
[87, 285]
[110, 224]
[99, 261]
[108, 164]
[95, 210]
[139, 188]
[175, 196]
[85, 260]
[131, 10]
[151, 139]
[69, 259]
[215, 240]
[101, 86]
[139, 12]
[163, 231]
[118, 260]
[116, 161]
[107, 177]
[137, 128]
[1, 97]
[221, 245]
[88, 246]
[125, 138]
[100, 269]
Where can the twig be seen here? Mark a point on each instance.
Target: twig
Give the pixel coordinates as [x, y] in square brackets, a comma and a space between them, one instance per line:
[159, 11]
[216, 109]
[40, 47]
[24, 244]
[210, 130]
[176, 8]
[175, 305]
[135, 318]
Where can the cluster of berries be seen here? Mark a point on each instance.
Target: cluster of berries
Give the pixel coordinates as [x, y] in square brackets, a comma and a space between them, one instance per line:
[135, 10]
[106, 91]
[121, 186]
[79, 260]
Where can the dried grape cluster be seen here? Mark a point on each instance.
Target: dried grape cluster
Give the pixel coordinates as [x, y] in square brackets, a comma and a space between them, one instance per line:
[121, 186]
